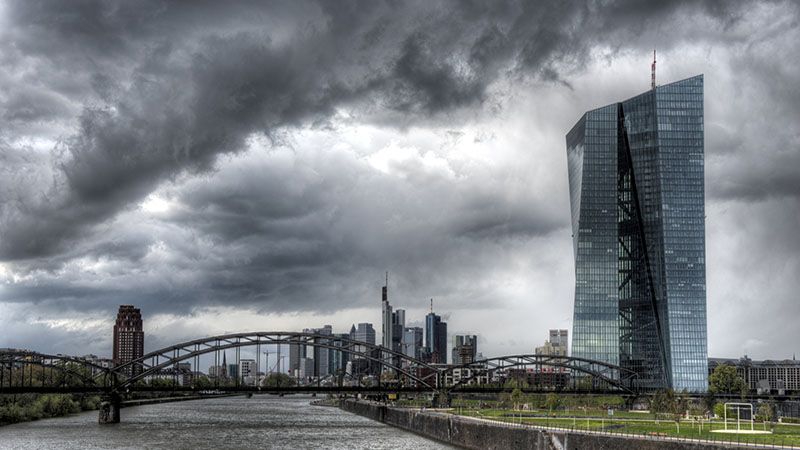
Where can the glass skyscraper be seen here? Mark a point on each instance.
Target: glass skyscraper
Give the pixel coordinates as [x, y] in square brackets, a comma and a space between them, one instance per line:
[638, 223]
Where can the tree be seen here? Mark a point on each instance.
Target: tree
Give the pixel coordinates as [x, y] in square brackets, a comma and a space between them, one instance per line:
[278, 379]
[668, 402]
[679, 405]
[719, 409]
[388, 376]
[709, 400]
[725, 380]
[161, 383]
[662, 402]
[202, 382]
[553, 401]
[766, 411]
[516, 397]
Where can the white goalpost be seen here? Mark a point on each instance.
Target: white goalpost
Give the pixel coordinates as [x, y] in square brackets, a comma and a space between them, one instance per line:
[751, 418]
[739, 407]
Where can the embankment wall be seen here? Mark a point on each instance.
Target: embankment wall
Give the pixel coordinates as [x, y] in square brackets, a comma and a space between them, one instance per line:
[476, 434]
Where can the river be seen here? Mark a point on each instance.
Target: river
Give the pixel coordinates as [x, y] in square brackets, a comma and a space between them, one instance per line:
[232, 422]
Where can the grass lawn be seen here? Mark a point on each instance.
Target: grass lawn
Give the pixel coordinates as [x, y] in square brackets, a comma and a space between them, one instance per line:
[642, 424]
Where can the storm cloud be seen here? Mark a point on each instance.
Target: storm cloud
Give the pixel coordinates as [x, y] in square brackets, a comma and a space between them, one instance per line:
[204, 159]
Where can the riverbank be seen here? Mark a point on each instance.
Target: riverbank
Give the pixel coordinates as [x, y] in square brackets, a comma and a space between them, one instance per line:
[476, 433]
[28, 408]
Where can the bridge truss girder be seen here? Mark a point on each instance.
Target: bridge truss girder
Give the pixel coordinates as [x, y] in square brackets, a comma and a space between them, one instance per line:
[16, 367]
[614, 376]
[424, 377]
[154, 362]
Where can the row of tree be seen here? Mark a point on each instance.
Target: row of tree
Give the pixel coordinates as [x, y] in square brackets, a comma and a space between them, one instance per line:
[25, 408]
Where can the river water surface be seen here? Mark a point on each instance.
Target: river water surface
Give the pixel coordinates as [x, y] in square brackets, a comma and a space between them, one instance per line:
[233, 422]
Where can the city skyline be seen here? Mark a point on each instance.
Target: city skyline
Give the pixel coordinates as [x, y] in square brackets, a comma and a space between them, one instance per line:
[239, 170]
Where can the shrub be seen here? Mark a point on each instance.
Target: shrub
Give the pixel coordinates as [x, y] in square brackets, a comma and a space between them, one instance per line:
[719, 410]
[11, 414]
[90, 403]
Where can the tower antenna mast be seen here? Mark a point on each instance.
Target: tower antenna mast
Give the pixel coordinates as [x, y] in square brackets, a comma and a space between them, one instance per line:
[653, 71]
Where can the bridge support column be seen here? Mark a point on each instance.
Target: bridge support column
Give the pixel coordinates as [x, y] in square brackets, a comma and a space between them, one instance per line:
[109, 410]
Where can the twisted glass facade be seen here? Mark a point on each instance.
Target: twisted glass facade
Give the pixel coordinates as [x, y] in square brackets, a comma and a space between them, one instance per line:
[638, 222]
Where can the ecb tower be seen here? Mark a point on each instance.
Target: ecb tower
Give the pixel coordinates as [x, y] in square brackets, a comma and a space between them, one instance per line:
[638, 224]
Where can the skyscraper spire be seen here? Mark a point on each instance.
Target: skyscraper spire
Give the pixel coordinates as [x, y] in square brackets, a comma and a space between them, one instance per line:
[653, 71]
[385, 292]
[431, 305]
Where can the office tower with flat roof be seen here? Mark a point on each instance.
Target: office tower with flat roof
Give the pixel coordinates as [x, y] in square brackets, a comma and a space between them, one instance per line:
[128, 337]
[296, 353]
[247, 372]
[560, 338]
[398, 327]
[636, 182]
[435, 338]
[556, 345]
[465, 349]
[338, 359]
[321, 355]
[364, 333]
[413, 342]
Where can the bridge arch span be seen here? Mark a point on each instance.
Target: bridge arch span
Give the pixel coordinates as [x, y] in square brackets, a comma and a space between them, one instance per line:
[155, 361]
[611, 374]
[100, 377]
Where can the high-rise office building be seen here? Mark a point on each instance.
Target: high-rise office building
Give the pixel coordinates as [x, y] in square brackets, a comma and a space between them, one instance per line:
[322, 356]
[435, 338]
[337, 359]
[412, 342]
[398, 328]
[233, 371]
[465, 348]
[296, 353]
[247, 371]
[556, 345]
[387, 321]
[638, 223]
[306, 369]
[386, 316]
[128, 337]
[364, 333]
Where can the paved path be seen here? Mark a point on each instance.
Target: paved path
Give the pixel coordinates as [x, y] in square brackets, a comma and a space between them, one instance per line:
[621, 435]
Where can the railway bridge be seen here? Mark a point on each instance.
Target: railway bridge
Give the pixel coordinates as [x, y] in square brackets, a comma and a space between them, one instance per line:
[23, 371]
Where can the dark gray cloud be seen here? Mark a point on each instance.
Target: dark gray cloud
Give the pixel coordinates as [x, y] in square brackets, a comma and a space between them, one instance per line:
[168, 98]
[303, 147]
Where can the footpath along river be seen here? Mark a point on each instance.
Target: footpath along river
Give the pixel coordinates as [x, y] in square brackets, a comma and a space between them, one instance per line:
[262, 422]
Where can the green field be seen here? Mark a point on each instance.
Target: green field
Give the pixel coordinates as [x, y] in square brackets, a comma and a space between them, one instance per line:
[640, 424]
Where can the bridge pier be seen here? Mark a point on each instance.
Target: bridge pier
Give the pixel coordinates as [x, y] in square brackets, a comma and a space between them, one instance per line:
[109, 410]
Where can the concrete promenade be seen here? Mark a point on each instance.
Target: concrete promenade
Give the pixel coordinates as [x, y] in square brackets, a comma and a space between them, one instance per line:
[479, 433]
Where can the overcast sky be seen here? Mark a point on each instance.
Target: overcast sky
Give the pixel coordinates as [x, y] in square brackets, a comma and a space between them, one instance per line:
[234, 167]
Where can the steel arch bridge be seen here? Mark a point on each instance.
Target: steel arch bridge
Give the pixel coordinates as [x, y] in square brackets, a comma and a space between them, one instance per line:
[151, 363]
[28, 371]
[610, 375]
